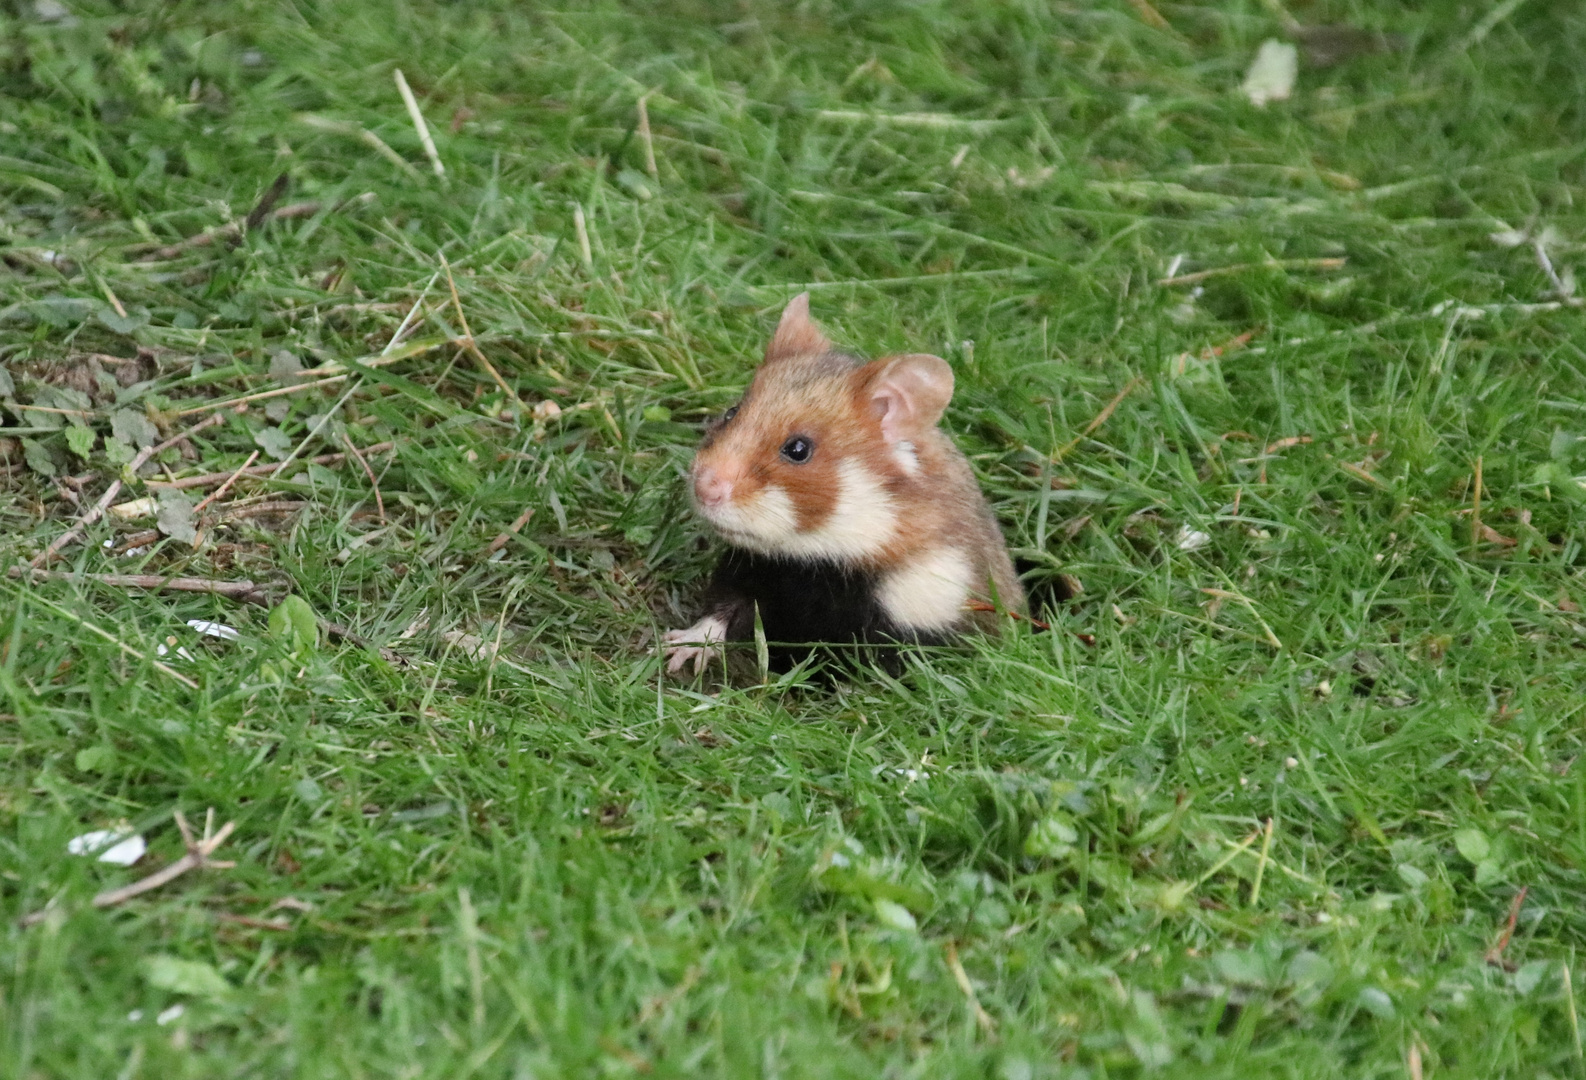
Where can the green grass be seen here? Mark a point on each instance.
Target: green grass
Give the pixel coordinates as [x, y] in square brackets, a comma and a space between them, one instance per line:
[557, 863]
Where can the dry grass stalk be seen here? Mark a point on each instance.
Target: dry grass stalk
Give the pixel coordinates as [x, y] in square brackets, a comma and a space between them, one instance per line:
[468, 336]
[985, 1020]
[238, 590]
[418, 123]
[210, 479]
[379, 501]
[512, 530]
[647, 139]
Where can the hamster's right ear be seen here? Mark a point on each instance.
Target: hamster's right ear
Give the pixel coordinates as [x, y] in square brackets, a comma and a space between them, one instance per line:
[908, 393]
[797, 334]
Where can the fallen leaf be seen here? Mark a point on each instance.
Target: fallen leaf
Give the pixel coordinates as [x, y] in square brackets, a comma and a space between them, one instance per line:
[112, 846]
[1271, 74]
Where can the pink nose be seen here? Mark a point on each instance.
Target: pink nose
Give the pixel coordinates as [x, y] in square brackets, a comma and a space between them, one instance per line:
[710, 488]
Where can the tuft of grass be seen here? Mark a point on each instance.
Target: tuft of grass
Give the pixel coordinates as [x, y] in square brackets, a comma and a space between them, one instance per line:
[1262, 800]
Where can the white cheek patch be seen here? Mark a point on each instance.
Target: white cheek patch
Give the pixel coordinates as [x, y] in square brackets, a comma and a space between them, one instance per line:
[906, 457]
[928, 593]
[862, 523]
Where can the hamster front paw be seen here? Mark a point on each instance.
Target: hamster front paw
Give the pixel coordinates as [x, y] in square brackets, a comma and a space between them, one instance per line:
[695, 643]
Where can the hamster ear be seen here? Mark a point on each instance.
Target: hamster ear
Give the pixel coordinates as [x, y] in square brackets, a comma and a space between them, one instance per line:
[909, 393]
[797, 334]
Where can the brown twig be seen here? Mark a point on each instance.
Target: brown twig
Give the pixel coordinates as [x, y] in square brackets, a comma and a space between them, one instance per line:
[1101, 417]
[987, 1023]
[223, 488]
[646, 139]
[98, 509]
[336, 630]
[1475, 509]
[240, 402]
[981, 605]
[379, 502]
[468, 335]
[1494, 955]
[512, 530]
[207, 479]
[229, 231]
[257, 215]
[237, 590]
[249, 921]
[1150, 15]
[1270, 264]
[198, 852]
[1180, 362]
[275, 506]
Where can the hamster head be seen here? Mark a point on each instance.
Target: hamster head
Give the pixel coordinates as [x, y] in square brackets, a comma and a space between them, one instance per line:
[817, 457]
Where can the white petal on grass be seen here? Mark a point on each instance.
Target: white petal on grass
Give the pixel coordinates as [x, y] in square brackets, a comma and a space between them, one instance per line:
[1271, 74]
[173, 1013]
[120, 848]
[894, 915]
[214, 629]
[1192, 539]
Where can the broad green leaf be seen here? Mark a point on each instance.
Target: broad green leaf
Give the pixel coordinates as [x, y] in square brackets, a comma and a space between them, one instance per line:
[1472, 844]
[80, 440]
[192, 977]
[294, 621]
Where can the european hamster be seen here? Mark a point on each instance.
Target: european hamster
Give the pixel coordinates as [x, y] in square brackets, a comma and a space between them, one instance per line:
[850, 516]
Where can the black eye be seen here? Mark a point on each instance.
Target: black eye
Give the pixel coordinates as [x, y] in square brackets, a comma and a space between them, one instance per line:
[729, 414]
[798, 449]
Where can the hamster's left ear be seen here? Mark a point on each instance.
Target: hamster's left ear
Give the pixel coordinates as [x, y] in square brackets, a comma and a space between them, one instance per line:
[909, 393]
[797, 334]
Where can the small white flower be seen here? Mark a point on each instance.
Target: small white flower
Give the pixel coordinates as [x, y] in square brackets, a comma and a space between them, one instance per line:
[1192, 539]
[214, 629]
[119, 848]
[173, 1013]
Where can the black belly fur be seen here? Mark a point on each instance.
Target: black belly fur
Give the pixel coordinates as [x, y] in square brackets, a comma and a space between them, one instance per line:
[803, 602]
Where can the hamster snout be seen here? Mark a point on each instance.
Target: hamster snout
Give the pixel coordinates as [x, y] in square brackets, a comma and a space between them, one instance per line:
[711, 488]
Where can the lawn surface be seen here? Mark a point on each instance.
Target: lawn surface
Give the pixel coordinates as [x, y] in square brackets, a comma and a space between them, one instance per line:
[1292, 787]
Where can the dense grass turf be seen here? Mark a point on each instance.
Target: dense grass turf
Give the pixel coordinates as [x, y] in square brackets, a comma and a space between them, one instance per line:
[1261, 803]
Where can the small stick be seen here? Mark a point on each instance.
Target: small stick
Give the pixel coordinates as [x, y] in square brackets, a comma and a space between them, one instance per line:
[261, 396]
[1269, 264]
[1574, 1018]
[1101, 417]
[197, 856]
[209, 479]
[115, 301]
[223, 488]
[512, 530]
[468, 335]
[1261, 865]
[987, 1023]
[1150, 15]
[647, 139]
[981, 605]
[418, 123]
[373, 483]
[229, 231]
[1494, 955]
[252, 923]
[241, 590]
[257, 215]
[1475, 509]
[1239, 848]
[582, 229]
[98, 509]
